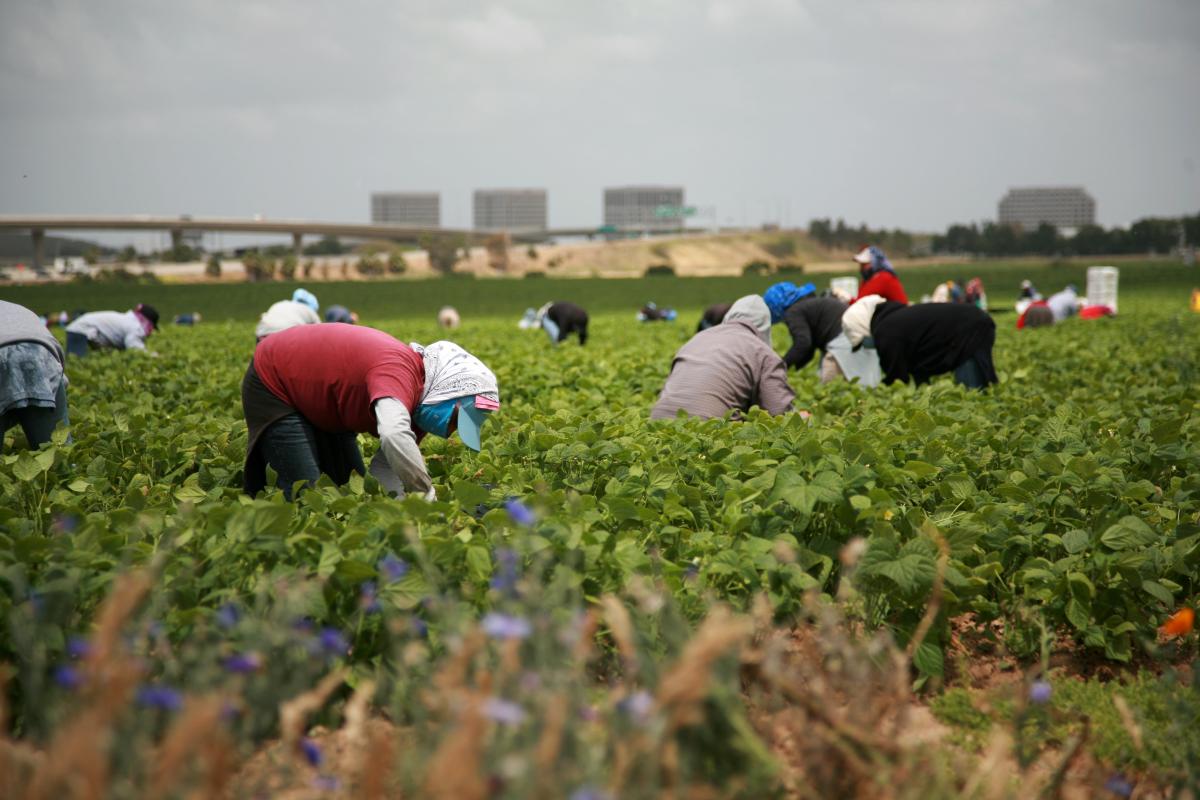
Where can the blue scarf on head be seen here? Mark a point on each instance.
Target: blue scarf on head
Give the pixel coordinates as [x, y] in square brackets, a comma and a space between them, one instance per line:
[782, 295]
[879, 263]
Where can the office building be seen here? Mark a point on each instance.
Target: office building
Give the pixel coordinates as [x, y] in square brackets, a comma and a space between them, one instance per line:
[408, 209]
[652, 207]
[509, 210]
[1060, 206]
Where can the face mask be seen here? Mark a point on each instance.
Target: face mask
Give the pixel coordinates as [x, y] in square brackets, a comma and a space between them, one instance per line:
[436, 418]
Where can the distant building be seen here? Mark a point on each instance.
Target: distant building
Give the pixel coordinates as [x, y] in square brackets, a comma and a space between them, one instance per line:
[510, 210]
[654, 207]
[1060, 206]
[410, 209]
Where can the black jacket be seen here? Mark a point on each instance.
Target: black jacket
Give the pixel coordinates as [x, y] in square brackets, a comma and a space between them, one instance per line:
[569, 318]
[713, 315]
[929, 339]
[813, 322]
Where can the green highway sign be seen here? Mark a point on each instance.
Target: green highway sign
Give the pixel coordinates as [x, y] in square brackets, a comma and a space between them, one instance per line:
[674, 212]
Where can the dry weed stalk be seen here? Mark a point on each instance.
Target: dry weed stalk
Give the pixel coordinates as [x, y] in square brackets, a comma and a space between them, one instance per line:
[621, 626]
[293, 714]
[199, 722]
[456, 769]
[376, 764]
[550, 742]
[685, 685]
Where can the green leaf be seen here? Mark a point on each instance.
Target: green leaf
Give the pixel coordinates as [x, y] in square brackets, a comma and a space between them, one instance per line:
[1159, 592]
[27, 468]
[470, 494]
[1076, 541]
[1078, 614]
[1080, 587]
[920, 469]
[929, 659]
[479, 563]
[1127, 534]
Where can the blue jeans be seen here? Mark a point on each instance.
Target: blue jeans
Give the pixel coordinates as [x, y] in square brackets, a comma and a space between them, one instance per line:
[77, 344]
[37, 423]
[299, 452]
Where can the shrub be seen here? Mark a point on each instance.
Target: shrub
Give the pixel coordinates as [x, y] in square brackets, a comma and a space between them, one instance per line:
[396, 265]
[783, 247]
[213, 268]
[287, 267]
[756, 268]
[369, 266]
[789, 268]
[660, 271]
[535, 273]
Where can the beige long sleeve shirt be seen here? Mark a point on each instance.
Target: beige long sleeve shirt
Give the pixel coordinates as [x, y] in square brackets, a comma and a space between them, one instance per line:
[727, 367]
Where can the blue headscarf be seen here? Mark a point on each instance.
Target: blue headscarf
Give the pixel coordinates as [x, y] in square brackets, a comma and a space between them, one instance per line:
[781, 296]
[307, 298]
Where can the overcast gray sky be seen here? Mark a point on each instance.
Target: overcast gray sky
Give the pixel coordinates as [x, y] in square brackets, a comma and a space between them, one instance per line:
[908, 113]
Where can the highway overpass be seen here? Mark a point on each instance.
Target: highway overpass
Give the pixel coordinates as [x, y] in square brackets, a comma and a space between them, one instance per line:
[38, 225]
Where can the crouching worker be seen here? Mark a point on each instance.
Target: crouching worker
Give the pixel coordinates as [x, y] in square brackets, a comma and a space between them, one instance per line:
[310, 390]
[922, 341]
[300, 310]
[729, 367]
[33, 388]
[561, 319]
[713, 315]
[111, 329]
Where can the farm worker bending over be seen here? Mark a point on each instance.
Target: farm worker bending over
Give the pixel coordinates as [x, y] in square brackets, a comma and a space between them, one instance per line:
[713, 315]
[310, 390]
[1063, 304]
[560, 319]
[729, 367]
[816, 324]
[925, 340]
[300, 310]
[33, 388]
[121, 331]
[341, 314]
[878, 276]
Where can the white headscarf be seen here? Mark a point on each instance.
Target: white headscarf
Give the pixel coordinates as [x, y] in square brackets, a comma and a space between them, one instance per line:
[451, 372]
[753, 309]
[856, 322]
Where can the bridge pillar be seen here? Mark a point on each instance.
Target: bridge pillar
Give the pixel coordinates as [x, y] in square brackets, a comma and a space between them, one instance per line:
[39, 248]
[176, 239]
[298, 244]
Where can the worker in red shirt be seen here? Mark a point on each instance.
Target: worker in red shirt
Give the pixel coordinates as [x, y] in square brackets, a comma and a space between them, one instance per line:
[878, 276]
[310, 390]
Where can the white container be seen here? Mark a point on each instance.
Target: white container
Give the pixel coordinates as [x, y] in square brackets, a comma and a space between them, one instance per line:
[1102, 287]
[844, 286]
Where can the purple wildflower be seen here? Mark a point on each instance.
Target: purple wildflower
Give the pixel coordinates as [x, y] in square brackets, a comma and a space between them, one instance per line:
[505, 577]
[65, 523]
[311, 751]
[393, 568]
[1119, 785]
[520, 513]
[506, 626]
[590, 793]
[504, 711]
[78, 647]
[67, 677]
[419, 628]
[228, 615]
[368, 598]
[637, 705]
[333, 641]
[163, 697]
[243, 663]
[326, 783]
[1039, 692]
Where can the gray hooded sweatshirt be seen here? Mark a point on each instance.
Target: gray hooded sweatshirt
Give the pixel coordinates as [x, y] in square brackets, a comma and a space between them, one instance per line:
[728, 367]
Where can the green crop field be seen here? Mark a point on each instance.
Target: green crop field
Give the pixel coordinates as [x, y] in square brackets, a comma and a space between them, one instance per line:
[597, 603]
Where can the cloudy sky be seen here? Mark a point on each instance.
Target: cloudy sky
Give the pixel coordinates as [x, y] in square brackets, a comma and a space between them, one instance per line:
[909, 113]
